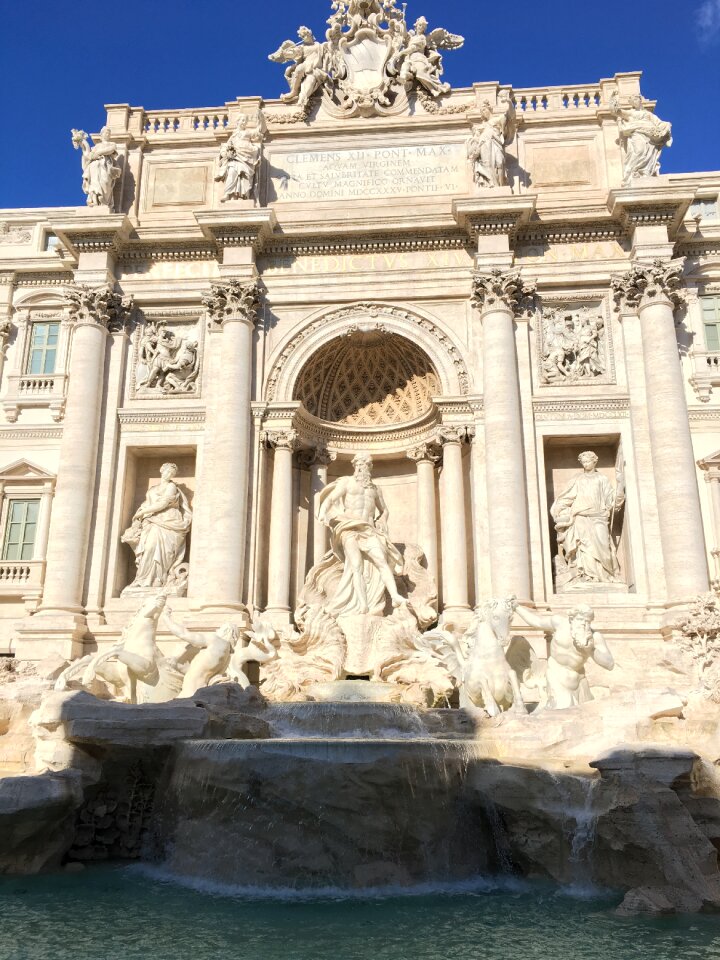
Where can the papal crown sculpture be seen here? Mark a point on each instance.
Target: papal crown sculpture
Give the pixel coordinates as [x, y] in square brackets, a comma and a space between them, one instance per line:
[368, 61]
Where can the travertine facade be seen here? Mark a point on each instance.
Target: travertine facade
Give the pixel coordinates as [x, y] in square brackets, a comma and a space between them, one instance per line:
[472, 286]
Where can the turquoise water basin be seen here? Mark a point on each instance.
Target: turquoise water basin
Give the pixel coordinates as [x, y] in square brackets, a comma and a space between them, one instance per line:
[125, 913]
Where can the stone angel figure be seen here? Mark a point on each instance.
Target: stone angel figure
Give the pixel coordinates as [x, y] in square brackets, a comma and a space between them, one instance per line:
[99, 166]
[309, 70]
[490, 137]
[642, 136]
[238, 161]
[420, 60]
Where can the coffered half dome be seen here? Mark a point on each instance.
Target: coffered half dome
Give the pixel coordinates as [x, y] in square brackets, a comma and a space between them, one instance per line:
[367, 379]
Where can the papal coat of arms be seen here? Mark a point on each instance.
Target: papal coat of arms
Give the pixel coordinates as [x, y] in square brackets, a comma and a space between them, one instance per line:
[369, 60]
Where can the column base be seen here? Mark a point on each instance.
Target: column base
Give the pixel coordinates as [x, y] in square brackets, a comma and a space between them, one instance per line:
[279, 617]
[51, 634]
[456, 619]
[208, 620]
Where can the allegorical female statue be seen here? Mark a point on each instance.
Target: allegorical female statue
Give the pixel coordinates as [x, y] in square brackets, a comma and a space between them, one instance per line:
[99, 166]
[158, 535]
[584, 514]
[238, 161]
[486, 146]
[643, 136]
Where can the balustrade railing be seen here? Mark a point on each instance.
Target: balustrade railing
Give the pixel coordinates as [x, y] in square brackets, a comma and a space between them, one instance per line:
[169, 122]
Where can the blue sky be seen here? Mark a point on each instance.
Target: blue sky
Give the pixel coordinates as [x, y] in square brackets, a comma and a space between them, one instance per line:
[61, 60]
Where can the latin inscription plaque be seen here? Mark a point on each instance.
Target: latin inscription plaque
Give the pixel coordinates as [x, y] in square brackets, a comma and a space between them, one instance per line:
[372, 172]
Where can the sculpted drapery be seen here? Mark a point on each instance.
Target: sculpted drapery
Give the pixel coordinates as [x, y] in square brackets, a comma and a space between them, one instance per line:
[583, 516]
[159, 531]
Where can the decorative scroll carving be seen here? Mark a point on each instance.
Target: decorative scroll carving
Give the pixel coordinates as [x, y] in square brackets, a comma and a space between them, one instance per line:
[232, 300]
[368, 61]
[99, 166]
[425, 451]
[645, 283]
[573, 346]
[100, 305]
[12, 234]
[280, 439]
[503, 289]
[455, 433]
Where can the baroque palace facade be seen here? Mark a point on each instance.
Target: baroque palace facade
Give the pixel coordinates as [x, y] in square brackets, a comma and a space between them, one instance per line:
[472, 286]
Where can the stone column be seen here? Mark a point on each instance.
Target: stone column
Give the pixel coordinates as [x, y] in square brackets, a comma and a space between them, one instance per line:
[43, 530]
[425, 457]
[711, 468]
[499, 295]
[319, 460]
[93, 313]
[453, 523]
[281, 523]
[654, 290]
[231, 308]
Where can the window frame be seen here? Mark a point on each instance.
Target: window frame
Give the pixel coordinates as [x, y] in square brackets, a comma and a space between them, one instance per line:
[9, 502]
[34, 325]
[712, 324]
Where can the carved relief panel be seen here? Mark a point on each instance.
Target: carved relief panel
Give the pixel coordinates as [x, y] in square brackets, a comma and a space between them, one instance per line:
[167, 355]
[574, 344]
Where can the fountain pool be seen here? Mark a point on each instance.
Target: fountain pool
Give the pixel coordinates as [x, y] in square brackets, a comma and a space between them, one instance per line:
[126, 913]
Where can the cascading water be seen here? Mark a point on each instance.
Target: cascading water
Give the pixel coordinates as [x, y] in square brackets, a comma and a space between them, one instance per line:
[322, 812]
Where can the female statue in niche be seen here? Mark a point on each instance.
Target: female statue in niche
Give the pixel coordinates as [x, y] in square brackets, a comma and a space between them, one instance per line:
[238, 161]
[584, 515]
[158, 535]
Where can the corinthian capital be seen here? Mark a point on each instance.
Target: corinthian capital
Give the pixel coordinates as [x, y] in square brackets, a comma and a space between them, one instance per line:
[502, 289]
[455, 433]
[280, 439]
[232, 300]
[101, 305]
[425, 451]
[647, 283]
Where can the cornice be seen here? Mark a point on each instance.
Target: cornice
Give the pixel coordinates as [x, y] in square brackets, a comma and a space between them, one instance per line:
[367, 243]
[140, 417]
[600, 409]
[570, 232]
[31, 433]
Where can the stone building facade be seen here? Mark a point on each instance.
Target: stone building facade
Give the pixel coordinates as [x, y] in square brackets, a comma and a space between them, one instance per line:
[370, 288]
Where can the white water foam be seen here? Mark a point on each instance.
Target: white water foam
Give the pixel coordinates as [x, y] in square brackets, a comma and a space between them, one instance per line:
[472, 886]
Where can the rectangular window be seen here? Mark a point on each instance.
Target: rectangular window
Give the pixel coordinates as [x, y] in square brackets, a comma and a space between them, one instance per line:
[711, 322]
[43, 348]
[20, 529]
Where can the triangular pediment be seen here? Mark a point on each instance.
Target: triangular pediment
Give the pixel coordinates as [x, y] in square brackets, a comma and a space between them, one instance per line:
[24, 470]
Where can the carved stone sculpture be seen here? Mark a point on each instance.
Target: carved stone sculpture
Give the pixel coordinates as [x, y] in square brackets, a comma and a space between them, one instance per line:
[308, 66]
[420, 58]
[573, 642]
[354, 509]
[213, 654]
[572, 346]
[700, 629]
[135, 669]
[158, 535]
[99, 166]
[369, 58]
[263, 647]
[167, 363]
[584, 515]
[477, 660]
[643, 136]
[490, 137]
[238, 161]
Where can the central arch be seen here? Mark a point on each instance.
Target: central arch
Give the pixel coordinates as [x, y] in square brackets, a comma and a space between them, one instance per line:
[414, 328]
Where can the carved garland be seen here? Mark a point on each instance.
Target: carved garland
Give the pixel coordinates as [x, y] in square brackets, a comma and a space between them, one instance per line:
[373, 310]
